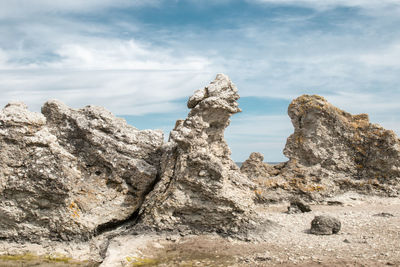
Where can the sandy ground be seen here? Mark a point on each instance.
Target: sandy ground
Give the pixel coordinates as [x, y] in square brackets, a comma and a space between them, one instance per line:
[364, 240]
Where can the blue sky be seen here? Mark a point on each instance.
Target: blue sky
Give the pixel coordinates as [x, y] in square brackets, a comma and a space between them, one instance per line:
[142, 59]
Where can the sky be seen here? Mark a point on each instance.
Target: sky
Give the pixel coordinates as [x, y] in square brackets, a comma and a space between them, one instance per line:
[142, 59]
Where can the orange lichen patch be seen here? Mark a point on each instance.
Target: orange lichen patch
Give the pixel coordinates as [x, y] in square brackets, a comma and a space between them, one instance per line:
[360, 150]
[299, 139]
[359, 166]
[362, 118]
[74, 209]
[299, 184]
[269, 183]
[258, 191]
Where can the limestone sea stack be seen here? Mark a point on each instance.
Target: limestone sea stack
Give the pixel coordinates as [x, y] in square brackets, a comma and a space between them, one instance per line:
[332, 151]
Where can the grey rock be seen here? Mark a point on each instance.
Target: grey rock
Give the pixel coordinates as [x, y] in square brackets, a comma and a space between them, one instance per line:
[298, 206]
[67, 174]
[201, 188]
[325, 225]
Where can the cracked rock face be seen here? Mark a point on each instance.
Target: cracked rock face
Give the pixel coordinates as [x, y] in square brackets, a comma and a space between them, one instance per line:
[332, 151]
[201, 188]
[67, 174]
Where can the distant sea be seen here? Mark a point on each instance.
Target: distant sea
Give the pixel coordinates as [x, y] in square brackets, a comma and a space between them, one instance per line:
[272, 163]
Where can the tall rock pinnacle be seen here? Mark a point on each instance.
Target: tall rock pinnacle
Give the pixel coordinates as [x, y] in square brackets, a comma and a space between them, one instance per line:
[201, 188]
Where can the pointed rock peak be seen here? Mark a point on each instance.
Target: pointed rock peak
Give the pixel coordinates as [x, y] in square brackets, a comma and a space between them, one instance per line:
[16, 104]
[220, 93]
[17, 113]
[201, 189]
[256, 156]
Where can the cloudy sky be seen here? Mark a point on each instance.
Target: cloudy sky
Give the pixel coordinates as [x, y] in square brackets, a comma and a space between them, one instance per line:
[141, 59]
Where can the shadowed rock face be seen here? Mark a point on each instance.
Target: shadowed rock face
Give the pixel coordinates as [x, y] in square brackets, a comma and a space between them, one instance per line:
[332, 151]
[201, 188]
[66, 173]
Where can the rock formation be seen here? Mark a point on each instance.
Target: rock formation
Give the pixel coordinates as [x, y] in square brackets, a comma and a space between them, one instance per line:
[78, 174]
[67, 174]
[332, 151]
[201, 188]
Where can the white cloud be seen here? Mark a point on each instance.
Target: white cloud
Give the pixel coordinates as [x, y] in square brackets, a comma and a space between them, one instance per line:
[125, 76]
[122, 55]
[327, 4]
[388, 57]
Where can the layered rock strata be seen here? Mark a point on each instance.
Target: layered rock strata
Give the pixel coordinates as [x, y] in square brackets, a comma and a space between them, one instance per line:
[201, 188]
[68, 174]
[331, 151]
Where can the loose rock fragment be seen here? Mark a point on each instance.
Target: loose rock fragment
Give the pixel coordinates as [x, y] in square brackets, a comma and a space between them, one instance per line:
[334, 203]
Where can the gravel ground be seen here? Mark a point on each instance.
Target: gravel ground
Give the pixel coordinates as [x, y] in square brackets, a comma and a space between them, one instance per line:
[364, 240]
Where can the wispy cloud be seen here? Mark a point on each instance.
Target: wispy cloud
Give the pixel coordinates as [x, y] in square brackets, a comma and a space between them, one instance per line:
[327, 4]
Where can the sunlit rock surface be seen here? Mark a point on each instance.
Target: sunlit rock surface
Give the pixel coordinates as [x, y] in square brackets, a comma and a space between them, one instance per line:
[332, 151]
[201, 188]
[85, 176]
[68, 174]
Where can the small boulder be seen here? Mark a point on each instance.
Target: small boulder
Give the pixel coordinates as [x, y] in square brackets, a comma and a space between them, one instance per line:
[325, 225]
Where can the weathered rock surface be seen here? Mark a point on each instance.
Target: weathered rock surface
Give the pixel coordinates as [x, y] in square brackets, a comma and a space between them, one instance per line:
[67, 174]
[298, 206]
[332, 151]
[325, 225]
[71, 175]
[256, 169]
[201, 188]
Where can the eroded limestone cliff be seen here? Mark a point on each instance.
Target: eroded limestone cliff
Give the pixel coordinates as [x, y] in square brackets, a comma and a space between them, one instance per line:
[201, 188]
[331, 151]
[66, 174]
[72, 174]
